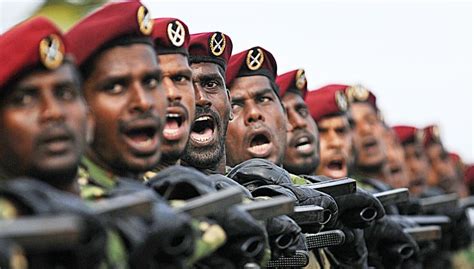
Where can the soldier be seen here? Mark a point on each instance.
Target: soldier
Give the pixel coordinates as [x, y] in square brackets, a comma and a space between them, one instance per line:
[209, 55]
[328, 108]
[397, 167]
[302, 151]
[43, 117]
[368, 133]
[171, 38]
[122, 86]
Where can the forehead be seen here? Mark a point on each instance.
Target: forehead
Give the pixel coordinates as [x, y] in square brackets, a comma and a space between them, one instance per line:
[334, 122]
[249, 84]
[119, 59]
[175, 60]
[292, 99]
[361, 110]
[42, 76]
[205, 68]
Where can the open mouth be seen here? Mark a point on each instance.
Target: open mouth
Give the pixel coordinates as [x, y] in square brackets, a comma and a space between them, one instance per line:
[304, 145]
[260, 145]
[174, 122]
[395, 170]
[142, 138]
[203, 129]
[57, 144]
[337, 164]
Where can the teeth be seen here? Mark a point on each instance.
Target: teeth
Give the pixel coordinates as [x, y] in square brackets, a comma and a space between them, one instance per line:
[304, 147]
[203, 118]
[172, 115]
[303, 140]
[146, 142]
[167, 131]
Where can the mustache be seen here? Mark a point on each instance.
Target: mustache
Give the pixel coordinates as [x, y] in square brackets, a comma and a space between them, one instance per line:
[177, 103]
[124, 125]
[200, 111]
[55, 130]
[298, 133]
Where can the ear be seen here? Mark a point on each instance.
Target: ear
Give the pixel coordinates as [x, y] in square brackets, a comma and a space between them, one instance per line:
[231, 114]
[90, 127]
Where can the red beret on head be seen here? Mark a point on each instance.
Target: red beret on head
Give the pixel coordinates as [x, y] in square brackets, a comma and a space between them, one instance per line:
[212, 47]
[408, 134]
[108, 23]
[35, 42]
[170, 36]
[431, 135]
[293, 81]
[455, 157]
[252, 62]
[327, 101]
[469, 175]
[359, 93]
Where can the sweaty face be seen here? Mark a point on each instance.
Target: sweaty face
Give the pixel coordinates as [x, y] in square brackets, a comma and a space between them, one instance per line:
[128, 105]
[417, 166]
[368, 136]
[258, 129]
[302, 150]
[205, 147]
[395, 161]
[335, 141]
[177, 83]
[43, 125]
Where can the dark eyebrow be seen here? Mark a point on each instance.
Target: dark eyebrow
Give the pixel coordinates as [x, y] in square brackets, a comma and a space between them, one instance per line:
[206, 77]
[262, 92]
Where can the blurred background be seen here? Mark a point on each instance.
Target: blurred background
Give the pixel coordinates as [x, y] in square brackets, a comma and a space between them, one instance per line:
[416, 56]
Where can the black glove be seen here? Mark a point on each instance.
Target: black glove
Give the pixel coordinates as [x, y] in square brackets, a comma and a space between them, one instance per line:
[353, 252]
[36, 198]
[304, 196]
[180, 183]
[411, 207]
[258, 172]
[388, 244]
[246, 238]
[284, 236]
[220, 182]
[361, 203]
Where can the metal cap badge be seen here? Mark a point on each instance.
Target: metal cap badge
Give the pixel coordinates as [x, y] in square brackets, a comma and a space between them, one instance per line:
[144, 20]
[300, 79]
[341, 100]
[217, 44]
[51, 51]
[255, 58]
[176, 33]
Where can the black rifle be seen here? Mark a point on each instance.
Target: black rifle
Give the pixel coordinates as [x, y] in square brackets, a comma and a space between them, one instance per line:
[425, 233]
[325, 239]
[429, 220]
[211, 203]
[466, 202]
[445, 201]
[393, 197]
[300, 259]
[269, 208]
[309, 214]
[336, 187]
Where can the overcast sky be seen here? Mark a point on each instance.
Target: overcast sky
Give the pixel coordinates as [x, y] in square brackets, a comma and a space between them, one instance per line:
[416, 56]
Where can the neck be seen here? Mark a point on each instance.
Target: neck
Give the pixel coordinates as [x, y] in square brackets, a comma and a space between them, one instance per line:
[97, 160]
[376, 171]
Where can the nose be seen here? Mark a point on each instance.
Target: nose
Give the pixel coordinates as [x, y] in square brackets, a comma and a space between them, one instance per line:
[141, 100]
[172, 93]
[201, 97]
[296, 120]
[253, 114]
[51, 109]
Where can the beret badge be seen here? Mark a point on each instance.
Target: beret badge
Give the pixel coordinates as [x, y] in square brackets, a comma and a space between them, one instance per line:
[255, 58]
[51, 51]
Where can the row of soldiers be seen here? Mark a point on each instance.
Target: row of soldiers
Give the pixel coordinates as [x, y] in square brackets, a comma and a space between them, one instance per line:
[126, 142]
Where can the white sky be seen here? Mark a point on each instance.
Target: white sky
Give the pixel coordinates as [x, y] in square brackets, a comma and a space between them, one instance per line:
[416, 56]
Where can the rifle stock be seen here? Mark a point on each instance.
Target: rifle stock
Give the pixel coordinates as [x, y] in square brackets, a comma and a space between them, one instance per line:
[426, 233]
[211, 203]
[445, 201]
[393, 197]
[335, 188]
[269, 208]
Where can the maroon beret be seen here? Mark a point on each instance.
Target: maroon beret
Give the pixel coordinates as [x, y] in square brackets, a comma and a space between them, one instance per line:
[213, 47]
[327, 101]
[293, 81]
[35, 42]
[252, 62]
[469, 175]
[359, 93]
[408, 134]
[170, 36]
[106, 24]
[431, 135]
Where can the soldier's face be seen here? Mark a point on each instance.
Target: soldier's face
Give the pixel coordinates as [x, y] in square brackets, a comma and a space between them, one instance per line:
[258, 129]
[42, 125]
[302, 150]
[368, 136]
[417, 164]
[205, 148]
[177, 83]
[335, 140]
[396, 161]
[441, 169]
[128, 104]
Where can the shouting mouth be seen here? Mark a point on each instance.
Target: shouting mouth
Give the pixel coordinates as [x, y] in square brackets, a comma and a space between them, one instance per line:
[203, 130]
[260, 145]
[370, 146]
[142, 136]
[336, 167]
[304, 145]
[174, 128]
